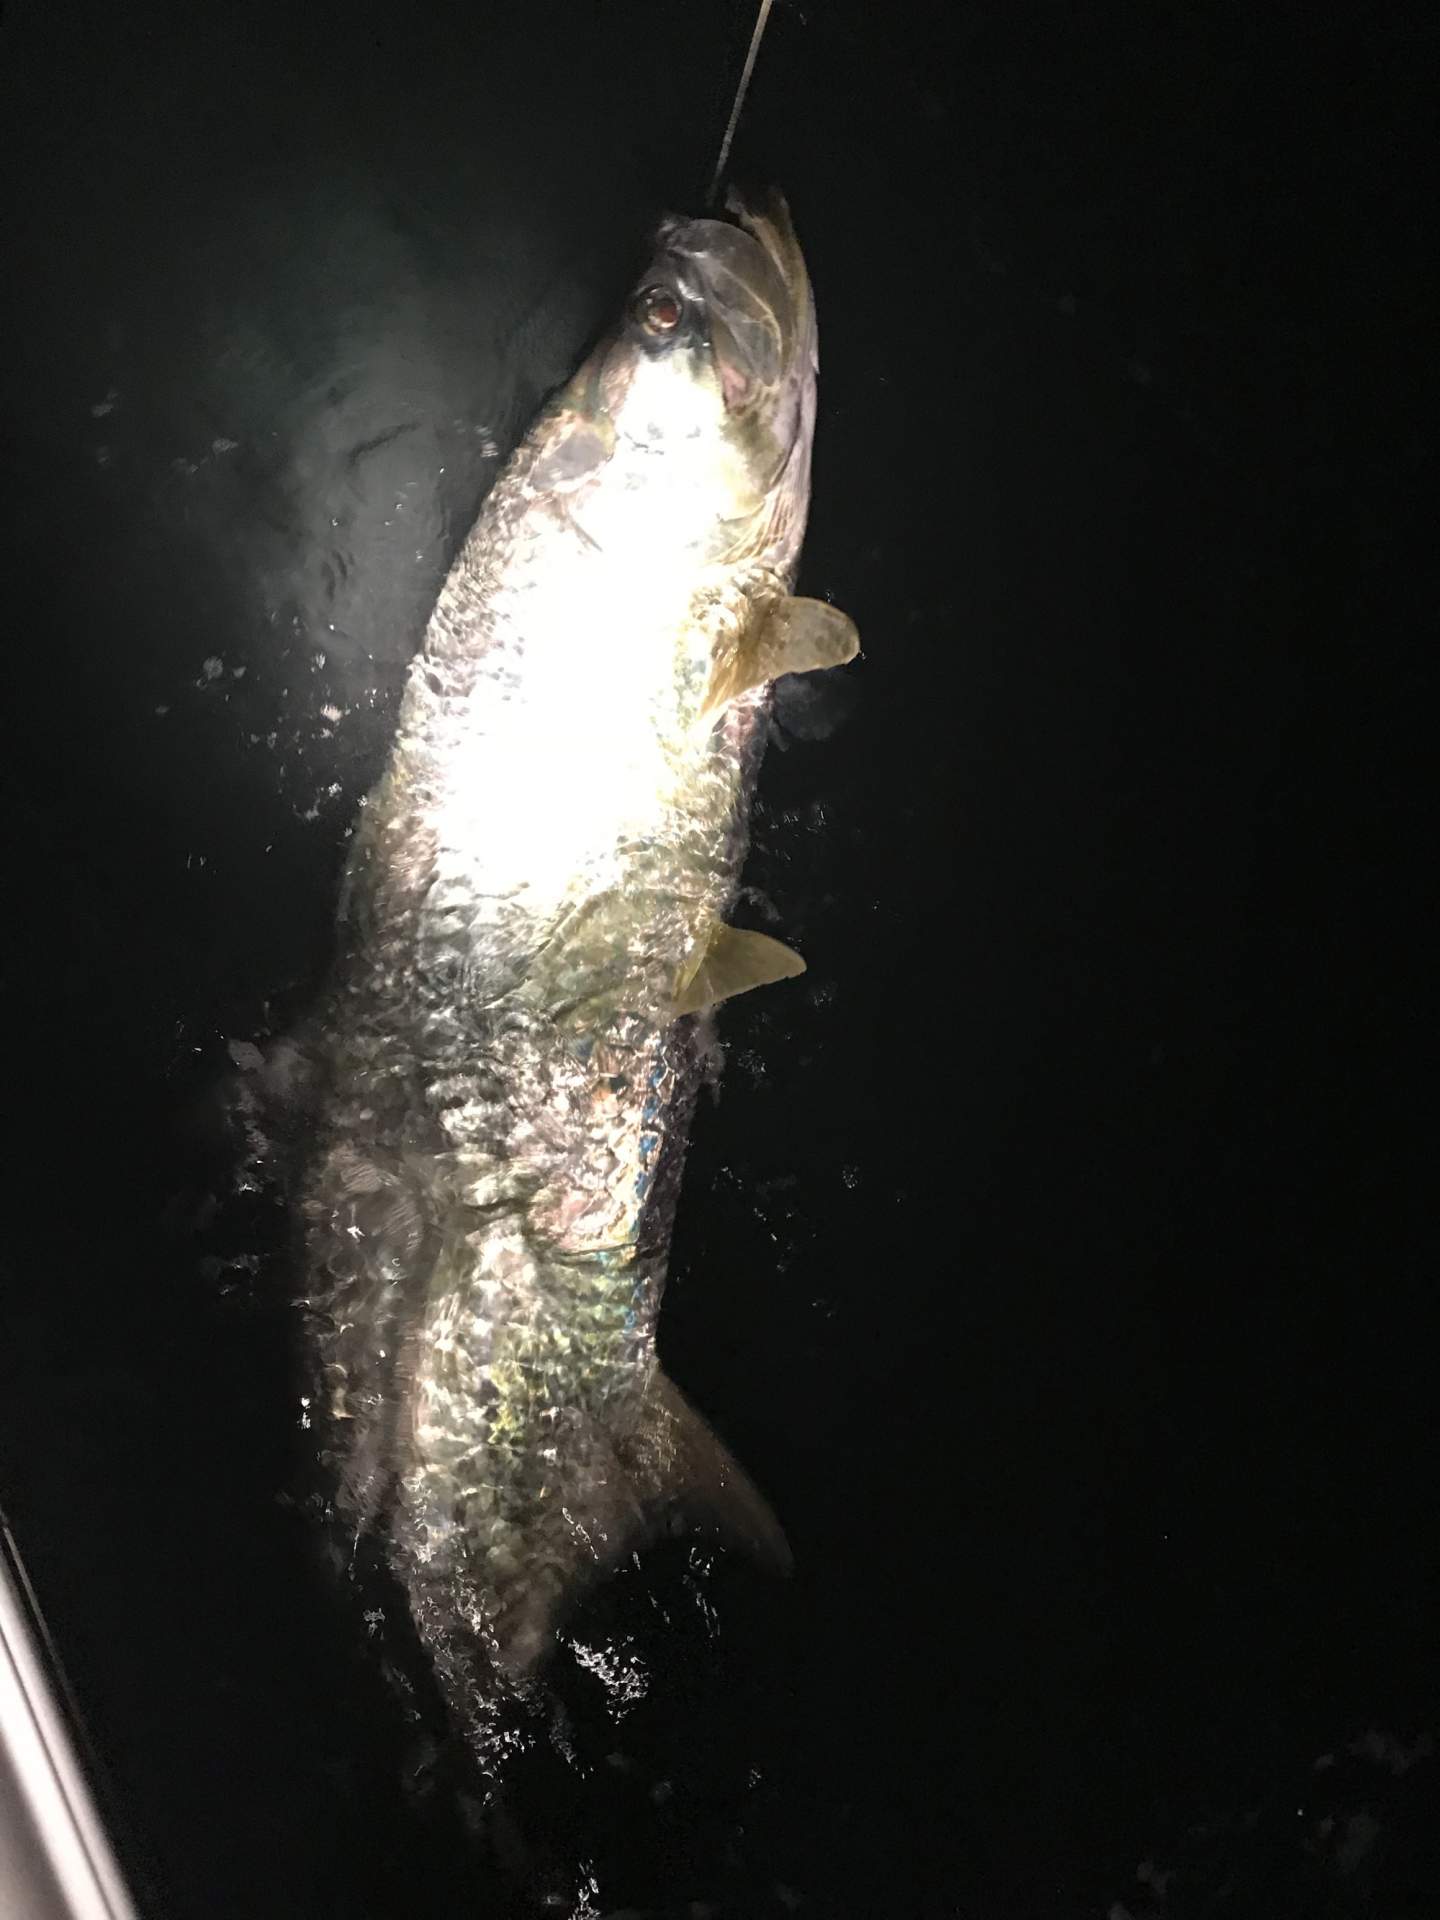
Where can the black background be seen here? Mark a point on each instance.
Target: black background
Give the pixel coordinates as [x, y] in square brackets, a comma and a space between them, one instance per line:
[1059, 1253]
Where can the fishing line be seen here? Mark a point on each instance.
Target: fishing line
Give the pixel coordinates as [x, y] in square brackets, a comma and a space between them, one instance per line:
[760, 19]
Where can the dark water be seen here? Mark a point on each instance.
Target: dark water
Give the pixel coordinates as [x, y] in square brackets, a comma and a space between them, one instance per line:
[1059, 1255]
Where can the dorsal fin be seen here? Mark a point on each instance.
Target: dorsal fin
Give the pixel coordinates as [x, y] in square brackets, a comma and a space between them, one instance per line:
[732, 961]
[797, 636]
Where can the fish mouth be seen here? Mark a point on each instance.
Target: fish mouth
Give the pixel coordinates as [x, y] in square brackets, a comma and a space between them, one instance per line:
[749, 274]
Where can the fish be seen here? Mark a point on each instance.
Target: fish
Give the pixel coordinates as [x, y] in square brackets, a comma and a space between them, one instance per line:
[530, 946]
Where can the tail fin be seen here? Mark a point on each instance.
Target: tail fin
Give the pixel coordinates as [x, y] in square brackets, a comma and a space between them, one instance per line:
[610, 1492]
[684, 1475]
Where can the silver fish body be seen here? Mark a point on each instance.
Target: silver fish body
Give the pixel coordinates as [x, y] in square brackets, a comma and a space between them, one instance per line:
[531, 931]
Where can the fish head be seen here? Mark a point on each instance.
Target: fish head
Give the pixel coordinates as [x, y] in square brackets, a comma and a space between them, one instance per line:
[709, 380]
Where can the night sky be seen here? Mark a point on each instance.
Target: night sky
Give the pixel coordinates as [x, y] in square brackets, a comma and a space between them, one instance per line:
[1058, 1254]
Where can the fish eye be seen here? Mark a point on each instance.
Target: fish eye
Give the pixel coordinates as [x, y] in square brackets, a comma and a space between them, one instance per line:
[658, 310]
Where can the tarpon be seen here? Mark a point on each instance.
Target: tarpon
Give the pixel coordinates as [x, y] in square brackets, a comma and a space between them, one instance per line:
[531, 935]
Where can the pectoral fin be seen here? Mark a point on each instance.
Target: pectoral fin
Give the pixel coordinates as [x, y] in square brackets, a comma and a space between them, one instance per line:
[683, 1474]
[734, 961]
[798, 636]
[573, 453]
